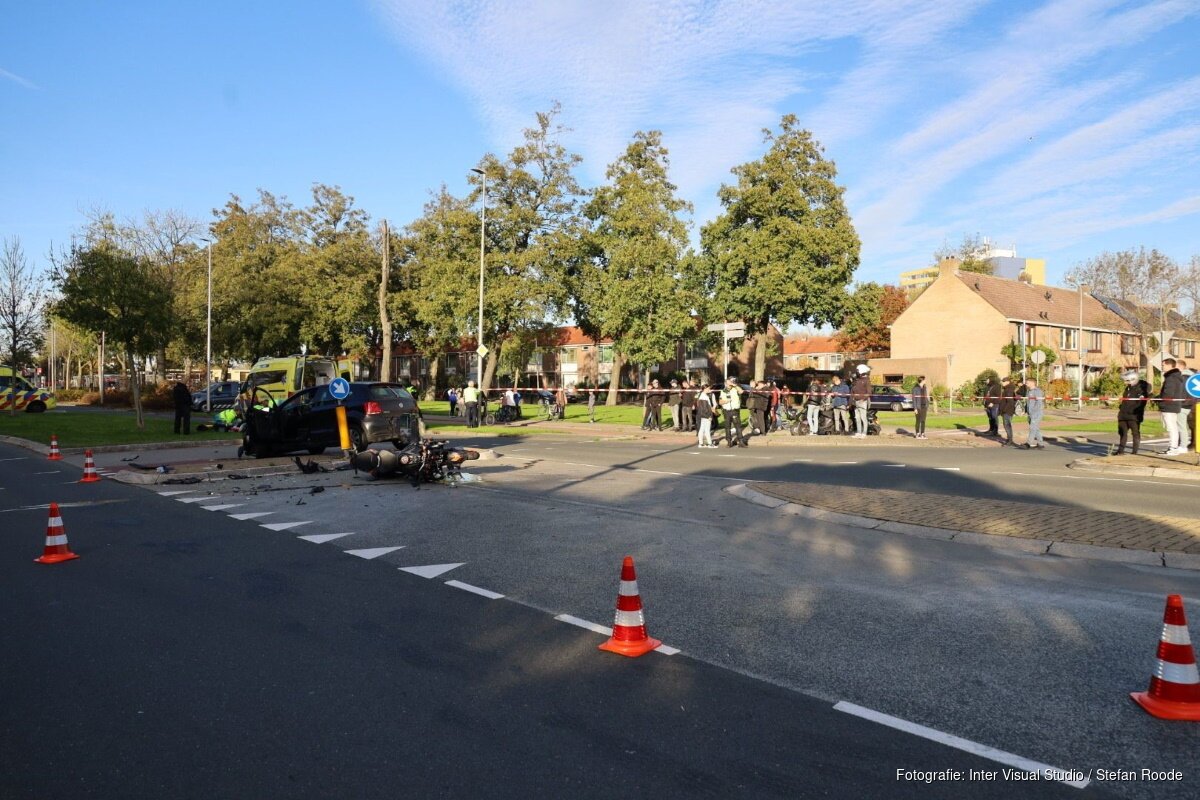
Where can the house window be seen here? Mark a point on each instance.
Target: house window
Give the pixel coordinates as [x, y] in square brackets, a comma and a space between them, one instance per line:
[1030, 336]
[535, 361]
[1095, 341]
[568, 355]
[606, 354]
[1173, 347]
[835, 361]
[1068, 339]
[1127, 345]
[1189, 349]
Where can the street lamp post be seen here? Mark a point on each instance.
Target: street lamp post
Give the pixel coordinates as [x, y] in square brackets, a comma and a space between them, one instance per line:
[1082, 289]
[208, 337]
[482, 231]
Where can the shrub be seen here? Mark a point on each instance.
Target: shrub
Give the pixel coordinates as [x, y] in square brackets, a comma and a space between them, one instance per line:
[112, 397]
[964, 394]
[939, 391]
[908, 383]
[1109, 383]
[979, 387]
[1058, 389]
[158, 398]
[69, 395]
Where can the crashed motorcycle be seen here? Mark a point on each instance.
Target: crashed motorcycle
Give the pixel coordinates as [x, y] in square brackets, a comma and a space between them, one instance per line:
[423, 461]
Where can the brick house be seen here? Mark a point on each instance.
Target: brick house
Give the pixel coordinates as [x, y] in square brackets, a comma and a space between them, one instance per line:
[956, 328]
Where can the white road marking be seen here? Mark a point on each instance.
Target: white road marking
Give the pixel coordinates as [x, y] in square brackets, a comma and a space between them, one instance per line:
[802, 460]
[175, 492]
[195, 499]
[46, 506]
[373, 552]
[948, 469]
[283, 526]
[222, 507]
[321, 538]
[18, 458]
[431, 570]
[466, 587]
[253, 515]
[657, 472]
[665, 649]
[845, 462]
[893, 465]
[51, 472]
[761, 458]
[583, 623]
[1092, 478]
[965, 745]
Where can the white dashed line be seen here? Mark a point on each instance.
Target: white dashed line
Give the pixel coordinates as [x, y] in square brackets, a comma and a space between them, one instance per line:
[283, 526]
[373, 552]
[948, 469]
[1086, 478]
[893, 465]
[657, 472]
[665, 649]
[802, 460]
[845, 462]
[252, 515]
[18, 458]
[51, 472]
[1045, 770]
[466, 587]
[321, 538]
[195, 499]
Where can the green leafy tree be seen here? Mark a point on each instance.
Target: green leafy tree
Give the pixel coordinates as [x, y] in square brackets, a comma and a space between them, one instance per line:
[1013, 352]
[784, 249]
[870, 311]
[630, 289]
[534, 228]
[106, 290]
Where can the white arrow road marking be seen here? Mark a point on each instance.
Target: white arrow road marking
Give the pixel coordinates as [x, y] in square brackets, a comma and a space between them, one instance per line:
[321, 538]
[432, 570]
[252, 515]
[283, 526]
[373, 552]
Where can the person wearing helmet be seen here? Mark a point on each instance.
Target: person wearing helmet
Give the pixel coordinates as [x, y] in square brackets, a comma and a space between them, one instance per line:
[1132, 410]
[860, 391]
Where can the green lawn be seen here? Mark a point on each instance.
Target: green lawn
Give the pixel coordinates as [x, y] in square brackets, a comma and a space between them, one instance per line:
[1150, 427]
[88, 429]
[576, 412]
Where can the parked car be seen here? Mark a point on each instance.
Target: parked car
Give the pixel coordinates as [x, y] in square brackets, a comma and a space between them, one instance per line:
[376, 412]
[890, 398]
[224, 395]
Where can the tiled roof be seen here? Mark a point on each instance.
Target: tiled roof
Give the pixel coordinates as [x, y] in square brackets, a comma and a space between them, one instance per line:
[809, 345]
[1149, 319]
[1044, 304]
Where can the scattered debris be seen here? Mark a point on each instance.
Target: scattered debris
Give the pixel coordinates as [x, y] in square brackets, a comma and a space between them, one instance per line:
[132, 458]
[316, 490]
[310, 467]
[191, 479]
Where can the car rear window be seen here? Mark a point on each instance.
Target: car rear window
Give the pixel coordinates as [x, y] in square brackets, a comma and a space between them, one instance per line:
[383, 391]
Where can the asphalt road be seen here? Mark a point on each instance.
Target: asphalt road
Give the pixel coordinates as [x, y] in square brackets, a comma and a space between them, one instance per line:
[1033, 655]
[188, 653]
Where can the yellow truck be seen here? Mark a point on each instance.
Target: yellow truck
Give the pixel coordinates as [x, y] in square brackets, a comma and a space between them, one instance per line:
[26, 396]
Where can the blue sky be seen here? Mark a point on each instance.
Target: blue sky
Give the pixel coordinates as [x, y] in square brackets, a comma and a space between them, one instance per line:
[1066, 127]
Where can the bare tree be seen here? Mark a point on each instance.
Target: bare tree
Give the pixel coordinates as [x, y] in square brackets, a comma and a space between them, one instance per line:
[22, 297]
[1190, 290]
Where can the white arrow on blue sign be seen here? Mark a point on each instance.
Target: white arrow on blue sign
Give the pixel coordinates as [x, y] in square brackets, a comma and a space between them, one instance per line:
[339, 388]
[1193, 386]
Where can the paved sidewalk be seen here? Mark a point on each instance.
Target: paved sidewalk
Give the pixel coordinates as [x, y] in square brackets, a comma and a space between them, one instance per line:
[1169, 541]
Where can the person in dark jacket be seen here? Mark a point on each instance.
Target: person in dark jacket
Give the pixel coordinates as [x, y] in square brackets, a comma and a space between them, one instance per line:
[689, 407]
[756, 402]
[655, 398]
[1132, 410]
[920, 396]
[183, 407]
[1170, 401]
[991, 405]
[675, 406]
[1007, 407]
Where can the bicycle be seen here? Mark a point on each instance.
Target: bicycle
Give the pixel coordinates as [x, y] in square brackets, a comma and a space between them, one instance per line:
[503, 416]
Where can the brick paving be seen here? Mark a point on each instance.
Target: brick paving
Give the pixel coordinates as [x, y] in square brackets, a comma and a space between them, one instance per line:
[999, 517]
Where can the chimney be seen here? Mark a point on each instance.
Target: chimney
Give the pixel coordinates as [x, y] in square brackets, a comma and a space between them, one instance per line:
[948, 266]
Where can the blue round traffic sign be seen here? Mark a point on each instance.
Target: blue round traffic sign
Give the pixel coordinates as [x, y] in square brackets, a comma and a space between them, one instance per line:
[339, 388]
[1193, 386]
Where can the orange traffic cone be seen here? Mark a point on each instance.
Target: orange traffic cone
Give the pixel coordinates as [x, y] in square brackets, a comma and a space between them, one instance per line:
[629, 628]
[54, 454]
[57, 548]
[1175, 685]
[89, 469]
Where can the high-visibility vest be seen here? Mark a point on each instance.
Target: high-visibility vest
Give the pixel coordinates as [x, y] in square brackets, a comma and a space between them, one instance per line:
[470, 395]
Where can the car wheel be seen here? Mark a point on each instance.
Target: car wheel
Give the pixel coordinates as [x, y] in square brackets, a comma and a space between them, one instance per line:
[315, 451]
[897, 406]
[36, 407]
[358, 442]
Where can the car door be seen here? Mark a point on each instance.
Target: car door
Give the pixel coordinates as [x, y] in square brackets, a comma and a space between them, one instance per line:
[294, 417]
[322, 418]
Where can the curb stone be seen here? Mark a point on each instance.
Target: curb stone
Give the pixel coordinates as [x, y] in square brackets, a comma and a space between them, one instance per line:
[1086, 465]
[1170, 559]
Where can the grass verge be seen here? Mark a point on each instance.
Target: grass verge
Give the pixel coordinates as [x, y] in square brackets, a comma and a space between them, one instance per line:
[84, 429]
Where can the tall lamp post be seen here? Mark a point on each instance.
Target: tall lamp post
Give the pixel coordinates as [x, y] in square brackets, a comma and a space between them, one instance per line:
[482, 231]
[208, 336]
[1082, 289]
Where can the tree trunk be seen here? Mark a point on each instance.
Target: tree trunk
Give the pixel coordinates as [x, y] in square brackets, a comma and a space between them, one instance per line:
[385, 322]
[435, 367]
[760, 356]
[131, 374]
[614, 385]
[489, 372]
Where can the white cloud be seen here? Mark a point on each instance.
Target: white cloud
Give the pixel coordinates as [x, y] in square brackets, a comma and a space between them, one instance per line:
[943, 118]
[12, 76]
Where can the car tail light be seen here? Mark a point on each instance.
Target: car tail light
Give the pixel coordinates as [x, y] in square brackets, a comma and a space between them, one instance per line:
[371, 407]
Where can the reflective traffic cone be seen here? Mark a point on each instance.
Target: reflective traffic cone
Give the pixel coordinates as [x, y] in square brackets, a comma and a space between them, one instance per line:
[54, 454]
[1175, 685]
[56, 540]
[629, 628]
[89, 469]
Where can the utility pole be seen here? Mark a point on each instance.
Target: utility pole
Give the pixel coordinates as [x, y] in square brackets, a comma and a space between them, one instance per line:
[1082, 368]
[385, 322]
